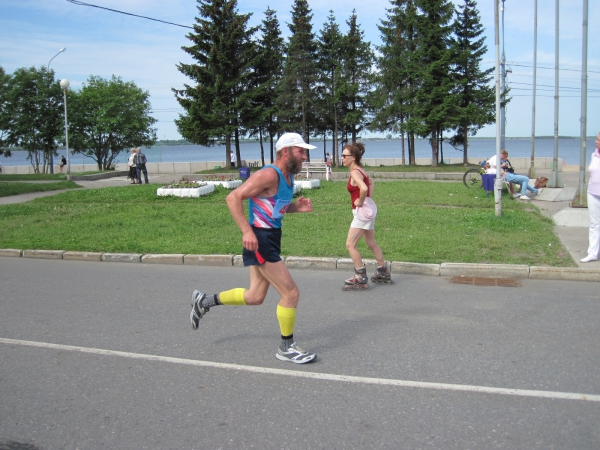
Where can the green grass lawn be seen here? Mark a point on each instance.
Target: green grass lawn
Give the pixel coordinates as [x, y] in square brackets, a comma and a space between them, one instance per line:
[418, 221]
[16, 188]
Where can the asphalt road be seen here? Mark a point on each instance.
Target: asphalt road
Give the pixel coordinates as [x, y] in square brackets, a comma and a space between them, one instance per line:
[99, 355]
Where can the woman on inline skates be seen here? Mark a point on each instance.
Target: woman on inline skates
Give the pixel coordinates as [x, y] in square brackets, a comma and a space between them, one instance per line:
[360, 187]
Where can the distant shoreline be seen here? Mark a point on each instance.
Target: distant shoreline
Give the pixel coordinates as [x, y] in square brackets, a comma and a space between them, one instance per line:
[253, 141]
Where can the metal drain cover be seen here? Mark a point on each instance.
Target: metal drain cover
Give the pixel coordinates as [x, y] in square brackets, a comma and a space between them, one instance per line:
[477, 281]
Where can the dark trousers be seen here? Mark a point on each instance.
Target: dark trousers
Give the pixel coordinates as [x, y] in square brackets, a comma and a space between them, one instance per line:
[141, 168]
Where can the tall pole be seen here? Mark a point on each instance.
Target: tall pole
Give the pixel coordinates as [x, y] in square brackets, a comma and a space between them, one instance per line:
[502, 88]
[580, 199]
[64, 84]
[48, 69]
[532, 173]
[555, 181]
[498, 180]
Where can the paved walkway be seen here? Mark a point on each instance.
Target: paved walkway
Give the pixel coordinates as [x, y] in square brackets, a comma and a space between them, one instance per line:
[571, 223]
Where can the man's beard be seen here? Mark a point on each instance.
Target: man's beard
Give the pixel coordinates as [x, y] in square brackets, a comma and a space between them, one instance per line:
[293, 164]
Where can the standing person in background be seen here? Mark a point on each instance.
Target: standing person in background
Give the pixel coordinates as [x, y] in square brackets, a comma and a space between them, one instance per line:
[233, 158]
[140, 165]
[593, 202]
[269, 192]
[360, 187]
[63, 163]
[131, 165]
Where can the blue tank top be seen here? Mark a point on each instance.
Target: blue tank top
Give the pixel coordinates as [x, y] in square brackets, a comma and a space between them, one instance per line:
[267, 212]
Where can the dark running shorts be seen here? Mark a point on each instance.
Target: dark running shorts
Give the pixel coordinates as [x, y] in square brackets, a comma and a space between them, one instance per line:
[269, 247]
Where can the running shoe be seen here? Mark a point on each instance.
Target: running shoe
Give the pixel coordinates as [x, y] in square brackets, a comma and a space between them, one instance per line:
[295, 354]
[524, 197]
[516, 195]
[197, 309]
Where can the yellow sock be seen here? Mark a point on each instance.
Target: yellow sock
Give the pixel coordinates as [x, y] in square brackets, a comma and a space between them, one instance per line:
[287, 319]
[233, 297]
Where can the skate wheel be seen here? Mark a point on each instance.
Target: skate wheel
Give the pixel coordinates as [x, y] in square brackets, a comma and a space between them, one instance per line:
[384, 282]
[355, 287]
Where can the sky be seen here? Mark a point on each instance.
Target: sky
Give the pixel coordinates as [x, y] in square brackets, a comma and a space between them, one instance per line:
[105, 43]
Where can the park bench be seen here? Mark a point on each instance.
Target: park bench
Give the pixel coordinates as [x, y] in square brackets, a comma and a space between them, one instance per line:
[317, 167]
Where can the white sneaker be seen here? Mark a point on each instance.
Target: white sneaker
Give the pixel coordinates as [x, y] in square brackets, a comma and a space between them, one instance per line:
[524, 197]
[588, 258]
[516, 195]
[539, 191]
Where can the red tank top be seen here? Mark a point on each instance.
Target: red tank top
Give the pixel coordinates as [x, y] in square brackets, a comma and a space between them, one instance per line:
[355, 190]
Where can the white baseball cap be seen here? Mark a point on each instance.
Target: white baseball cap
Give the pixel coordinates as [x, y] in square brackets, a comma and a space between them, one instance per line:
[291, 140]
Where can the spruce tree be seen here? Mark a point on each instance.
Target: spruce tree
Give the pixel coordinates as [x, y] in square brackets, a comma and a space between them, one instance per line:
[329, 66]
[398, 75]
[435, 97]
[296, 93]
[267, 73]
[356, 78]
[475, 96]
[222, 48]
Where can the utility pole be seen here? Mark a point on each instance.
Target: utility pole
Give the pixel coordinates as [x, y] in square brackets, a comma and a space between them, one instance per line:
[48, 69]
[532, 174]
[555, 180]
[580, 199]
[502, 88]
[498, 180]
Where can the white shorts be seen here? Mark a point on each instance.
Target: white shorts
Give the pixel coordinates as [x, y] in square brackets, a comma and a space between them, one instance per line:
[362, 224]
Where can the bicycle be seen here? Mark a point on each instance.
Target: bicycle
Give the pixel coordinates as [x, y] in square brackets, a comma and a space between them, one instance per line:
[472, 177]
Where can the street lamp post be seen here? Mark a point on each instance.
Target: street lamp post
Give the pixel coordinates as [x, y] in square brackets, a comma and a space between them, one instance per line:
[59, 52]
[48, 69]
[64, 84]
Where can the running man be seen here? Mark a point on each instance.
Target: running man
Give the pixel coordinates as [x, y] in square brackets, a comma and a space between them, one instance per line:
[269, 193]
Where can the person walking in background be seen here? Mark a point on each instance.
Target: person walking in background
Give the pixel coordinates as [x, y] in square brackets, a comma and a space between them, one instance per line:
[131, 165]
[233, 158]
[63, 163]
[593, 202]
[364, 210]
[269, 192]
[140, 165]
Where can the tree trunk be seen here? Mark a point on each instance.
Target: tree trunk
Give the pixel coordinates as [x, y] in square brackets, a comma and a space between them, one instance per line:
[228, 151]
[441, 145]
[262, 150]
[465, 146]
[335, 154]
[411, 148]
[237, 147]
[434, 147]
[402, 138]
[270, 137]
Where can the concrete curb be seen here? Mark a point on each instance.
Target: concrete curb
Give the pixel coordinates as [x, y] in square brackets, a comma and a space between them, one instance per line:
[311, 263]
[484, 270]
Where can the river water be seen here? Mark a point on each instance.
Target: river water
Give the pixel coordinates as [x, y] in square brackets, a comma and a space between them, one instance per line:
[481, 148]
